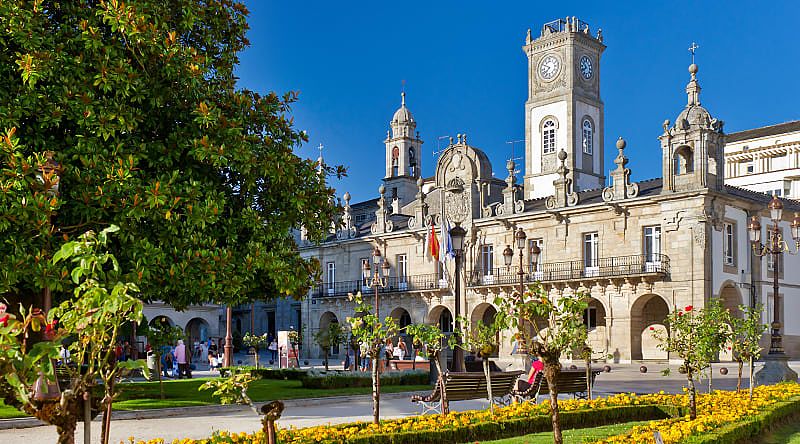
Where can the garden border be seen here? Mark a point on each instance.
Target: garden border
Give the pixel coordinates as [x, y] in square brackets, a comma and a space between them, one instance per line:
[741, 432]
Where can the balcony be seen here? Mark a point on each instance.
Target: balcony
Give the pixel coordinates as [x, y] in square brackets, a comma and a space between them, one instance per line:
[418, 282]
[653, 265]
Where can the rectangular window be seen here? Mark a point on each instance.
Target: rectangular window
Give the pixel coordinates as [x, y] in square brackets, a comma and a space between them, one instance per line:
[591, 250]
[360, 218]
[487, 263]
[590, 318]
[750, 167]
[331, 276]
[652, 246]
[537, 270]
[402, 271]
[729, 243]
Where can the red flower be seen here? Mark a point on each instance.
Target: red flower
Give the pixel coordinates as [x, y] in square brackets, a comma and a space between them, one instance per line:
[689, 308]
[4, 320]
[652, 328]
[729, 348]
[680, 313]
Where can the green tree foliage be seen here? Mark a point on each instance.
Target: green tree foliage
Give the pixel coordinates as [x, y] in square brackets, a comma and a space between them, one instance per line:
[138, 106]
[547, 327]
[332, 336]
[101, 304]
[368, 329]
[255, 341]
[747, 332]
[696, 337]
[431, 341]
[160, 335]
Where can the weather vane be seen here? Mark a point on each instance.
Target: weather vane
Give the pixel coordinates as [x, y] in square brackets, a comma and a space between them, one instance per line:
[692, 49]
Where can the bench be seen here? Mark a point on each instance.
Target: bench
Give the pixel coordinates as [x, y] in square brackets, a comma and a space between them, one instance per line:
[569, 382]
[465, 386]
[401, 365]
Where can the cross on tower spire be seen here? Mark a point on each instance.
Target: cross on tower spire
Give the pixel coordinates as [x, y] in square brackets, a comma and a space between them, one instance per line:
[694, 47]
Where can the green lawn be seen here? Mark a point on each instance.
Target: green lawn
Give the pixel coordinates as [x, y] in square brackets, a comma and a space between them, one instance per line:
[571, 436]
[788, 434]
[184, 393]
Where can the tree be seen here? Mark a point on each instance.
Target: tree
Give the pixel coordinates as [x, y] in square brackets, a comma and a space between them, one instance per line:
[94, 316]
[136, 105]
[483, 341]
[161, 335]
[255, 341]
[368, 329]
[432, 341]
[695, 337]
[745, 346]
[561, 330]
[332, 336]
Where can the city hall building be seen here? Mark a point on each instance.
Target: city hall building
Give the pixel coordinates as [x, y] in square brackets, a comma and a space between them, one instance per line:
[639, 250]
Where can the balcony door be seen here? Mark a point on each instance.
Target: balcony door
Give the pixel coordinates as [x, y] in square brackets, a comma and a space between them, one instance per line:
[591, 252]
[402, 272]
[487, 263]
[536, 270]
[331, 277]
[652, 249]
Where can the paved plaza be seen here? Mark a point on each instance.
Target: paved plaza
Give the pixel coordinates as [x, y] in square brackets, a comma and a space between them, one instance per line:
[201, 422]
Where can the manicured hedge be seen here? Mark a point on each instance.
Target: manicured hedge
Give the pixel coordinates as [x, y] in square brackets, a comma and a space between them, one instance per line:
[268, 373]
[523, 426]
[333, 380]
[747, 430]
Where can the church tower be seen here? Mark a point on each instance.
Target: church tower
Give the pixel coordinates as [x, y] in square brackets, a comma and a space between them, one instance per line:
[403, 157]
[692, 148]
[563, 110]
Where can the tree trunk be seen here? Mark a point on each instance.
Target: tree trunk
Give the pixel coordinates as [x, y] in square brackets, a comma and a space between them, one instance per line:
[442, 385]
[692, 395]
[160, 379]
[710, 376]
[488, 384]
[750, 376]
[589, 378]
[552, 369]
[256, 353]
[106, 431]
[325, 355]
[66, 433]
[376, 391]
[739, 376]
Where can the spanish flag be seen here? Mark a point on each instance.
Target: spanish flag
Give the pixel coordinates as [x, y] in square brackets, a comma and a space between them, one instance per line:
[432, 249]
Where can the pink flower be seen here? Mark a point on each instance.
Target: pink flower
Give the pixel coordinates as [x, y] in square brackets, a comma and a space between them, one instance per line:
[3, 308]
[689, 308]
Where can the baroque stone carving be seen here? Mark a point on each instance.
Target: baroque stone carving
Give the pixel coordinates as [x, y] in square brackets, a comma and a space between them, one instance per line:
[457, 201]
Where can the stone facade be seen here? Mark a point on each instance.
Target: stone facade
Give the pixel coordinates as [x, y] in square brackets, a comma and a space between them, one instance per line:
[639, 250]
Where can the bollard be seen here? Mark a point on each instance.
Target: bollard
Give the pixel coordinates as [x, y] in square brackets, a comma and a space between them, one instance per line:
[272, 412]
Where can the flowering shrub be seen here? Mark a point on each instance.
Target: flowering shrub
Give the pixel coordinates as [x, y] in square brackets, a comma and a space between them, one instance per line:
[714, 410]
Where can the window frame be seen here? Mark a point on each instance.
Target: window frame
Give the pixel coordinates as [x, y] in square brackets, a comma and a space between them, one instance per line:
[652, 241]
[591, 253]
[549, 131]
[587, 142]
[330, 276]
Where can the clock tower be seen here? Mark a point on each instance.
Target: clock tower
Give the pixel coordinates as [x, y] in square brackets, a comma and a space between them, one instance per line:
[563, 110]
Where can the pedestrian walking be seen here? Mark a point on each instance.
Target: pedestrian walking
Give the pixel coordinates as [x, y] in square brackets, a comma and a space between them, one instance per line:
[182, 358]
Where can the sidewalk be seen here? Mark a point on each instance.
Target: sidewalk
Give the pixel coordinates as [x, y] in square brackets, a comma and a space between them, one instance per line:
[201, 422]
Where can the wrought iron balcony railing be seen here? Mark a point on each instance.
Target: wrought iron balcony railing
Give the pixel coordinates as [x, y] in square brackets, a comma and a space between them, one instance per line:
[609, 267]
[394, 284]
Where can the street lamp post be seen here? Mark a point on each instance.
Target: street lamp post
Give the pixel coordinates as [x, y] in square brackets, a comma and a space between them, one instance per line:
[457, 235]
[776, 366]
[377, 277]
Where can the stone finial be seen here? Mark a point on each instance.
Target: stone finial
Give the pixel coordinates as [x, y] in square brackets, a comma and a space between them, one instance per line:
[564, 196]
[693, 88]
[528, 38]
[382, 223]
[421, 209]
[620, 188]
[347, 230]
[510, 205]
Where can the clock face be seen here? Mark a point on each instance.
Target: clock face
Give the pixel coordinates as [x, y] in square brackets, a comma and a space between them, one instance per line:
[549, 67]
[586, 67]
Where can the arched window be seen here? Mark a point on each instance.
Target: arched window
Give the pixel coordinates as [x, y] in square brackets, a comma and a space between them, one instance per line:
[549, 136]
[684, 160]
[446, 321]
[588, 136]
[395, 159]
[412, 162]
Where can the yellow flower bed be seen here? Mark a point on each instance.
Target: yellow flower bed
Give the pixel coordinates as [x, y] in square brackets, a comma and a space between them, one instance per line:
[712, 410]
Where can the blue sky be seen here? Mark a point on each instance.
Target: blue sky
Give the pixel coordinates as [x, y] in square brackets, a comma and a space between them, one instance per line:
[465, 71]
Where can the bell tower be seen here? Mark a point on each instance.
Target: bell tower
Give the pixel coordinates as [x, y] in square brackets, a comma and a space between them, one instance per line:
[563, 110]
[403, 157]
